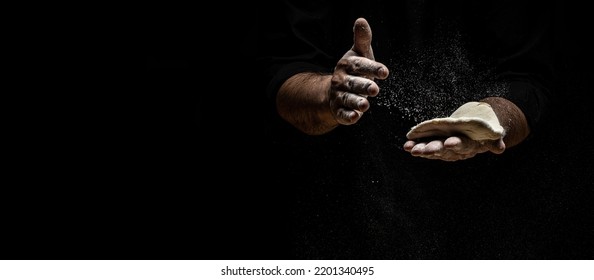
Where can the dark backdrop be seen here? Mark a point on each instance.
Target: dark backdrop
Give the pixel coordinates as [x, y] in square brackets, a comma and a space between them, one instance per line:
[194, 170]
[277, 196]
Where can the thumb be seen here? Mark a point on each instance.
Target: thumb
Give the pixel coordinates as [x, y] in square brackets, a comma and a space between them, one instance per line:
[498, 146]
[362, 38]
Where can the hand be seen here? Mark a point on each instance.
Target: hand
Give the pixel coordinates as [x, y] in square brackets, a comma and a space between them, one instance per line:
[353, 78]
[453, 148]
[472, 129]
[317, 103]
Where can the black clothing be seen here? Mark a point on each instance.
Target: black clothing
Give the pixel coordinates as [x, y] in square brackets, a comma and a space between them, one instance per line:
[440, 54]
[355, 194]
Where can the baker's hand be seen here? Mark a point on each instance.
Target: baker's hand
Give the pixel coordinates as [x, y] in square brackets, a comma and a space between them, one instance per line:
[353, 77]
[472, 129]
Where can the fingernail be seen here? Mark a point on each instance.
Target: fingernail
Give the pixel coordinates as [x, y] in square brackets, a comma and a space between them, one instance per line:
[382, 72]
[362, 105]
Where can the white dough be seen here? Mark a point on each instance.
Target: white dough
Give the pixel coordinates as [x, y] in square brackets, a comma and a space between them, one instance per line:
[473, 119]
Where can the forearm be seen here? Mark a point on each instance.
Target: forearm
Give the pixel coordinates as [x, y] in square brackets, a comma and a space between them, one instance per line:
[511, 118]
[303, 101]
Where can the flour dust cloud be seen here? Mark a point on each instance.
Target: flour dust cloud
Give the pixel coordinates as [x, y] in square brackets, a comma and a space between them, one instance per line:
[434, 82]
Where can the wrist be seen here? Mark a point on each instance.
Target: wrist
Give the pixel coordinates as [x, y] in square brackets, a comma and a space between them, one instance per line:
[511, 118]
[303, 101]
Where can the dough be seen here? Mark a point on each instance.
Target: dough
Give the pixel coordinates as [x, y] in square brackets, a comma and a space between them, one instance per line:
[476, 120]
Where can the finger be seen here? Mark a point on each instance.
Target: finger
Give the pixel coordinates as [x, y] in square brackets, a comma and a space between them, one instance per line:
[356, 102]
[361, 66]
[453, 143]
[433, 147]
[355, 84]
[463, 145]
[497, 147]
[417, 149]
[362, 38]
[351, 101]
[347, 117]
[345, 107]
[428, 149]
[408, 145]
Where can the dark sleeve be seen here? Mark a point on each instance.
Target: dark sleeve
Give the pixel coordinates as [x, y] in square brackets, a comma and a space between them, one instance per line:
[523, 42]
[294, 37]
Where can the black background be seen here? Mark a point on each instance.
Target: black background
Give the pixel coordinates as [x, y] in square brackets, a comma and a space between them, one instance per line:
[186, 171]
[248, 200]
